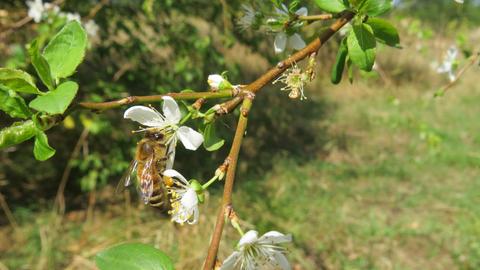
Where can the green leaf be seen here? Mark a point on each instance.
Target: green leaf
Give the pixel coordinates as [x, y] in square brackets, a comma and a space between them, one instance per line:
[211, 142]
[361, 46]
[339, 66]
[56, 101]
[376, 7]
[134, 256]
[334, 6]
[13, 104]
[41, 150]
[18, 80]
[17, 133]
[41, 65]
[384, 31]
[66, 50]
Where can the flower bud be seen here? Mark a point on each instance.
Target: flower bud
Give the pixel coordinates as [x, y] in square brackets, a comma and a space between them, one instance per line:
[217, 82]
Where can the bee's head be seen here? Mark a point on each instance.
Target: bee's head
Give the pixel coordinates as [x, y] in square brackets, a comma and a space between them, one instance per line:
[154, 135]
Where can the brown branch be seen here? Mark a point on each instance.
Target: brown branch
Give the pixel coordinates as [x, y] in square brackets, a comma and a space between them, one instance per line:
[247, 96]
[155, 98]
[312, 18]
[229, 181]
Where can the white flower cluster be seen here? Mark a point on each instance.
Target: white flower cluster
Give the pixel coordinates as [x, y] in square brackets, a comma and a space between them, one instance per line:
[255, 252]
[448, 64]
[39, 11]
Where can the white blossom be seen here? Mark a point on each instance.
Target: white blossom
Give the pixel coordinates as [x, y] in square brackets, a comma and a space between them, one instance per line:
[71, 16]
[167, 123]
[91, 28]
[459, 1]
[184, 199]
[294, 41]
[448, 63]
[35, 10]
[255, 252]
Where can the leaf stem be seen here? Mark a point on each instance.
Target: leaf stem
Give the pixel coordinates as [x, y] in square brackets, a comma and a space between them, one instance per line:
[209, 182]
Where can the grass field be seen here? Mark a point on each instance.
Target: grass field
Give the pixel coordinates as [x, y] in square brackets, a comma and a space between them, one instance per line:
[398, 188]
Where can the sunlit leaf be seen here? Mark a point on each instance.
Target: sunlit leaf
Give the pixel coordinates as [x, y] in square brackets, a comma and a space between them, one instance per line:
[211, 142]
[339, 66]
[384, 31]
[66, 50]
[18, 80]
[334, 6]
[376, 7]
[41, 150]
[361, 46]
[133, 256]
[13, 104]
[41, 65]
[17, 133]
[56, 101]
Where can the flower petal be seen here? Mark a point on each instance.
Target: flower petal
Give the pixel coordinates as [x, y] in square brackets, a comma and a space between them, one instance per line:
[281, 260]
[230, 262]
[280, 42]
[248, 238]
[171, 154]
[296, 42]
[274, 237]
[145, 116]
[303, 11]
[175, 174]
[282, 11]
[190, 138]
[189, 199]
[194, 218]
[171, 110]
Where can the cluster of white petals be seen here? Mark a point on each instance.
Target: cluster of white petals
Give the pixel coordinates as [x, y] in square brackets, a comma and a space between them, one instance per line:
[294, 41]
[168, 123]
[447, 66]
[459, 1]
[37, 10]
[184, 199]
[255, 252]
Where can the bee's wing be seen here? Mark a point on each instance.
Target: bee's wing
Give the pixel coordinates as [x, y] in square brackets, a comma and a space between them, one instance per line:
[146, 179]
[126, 179]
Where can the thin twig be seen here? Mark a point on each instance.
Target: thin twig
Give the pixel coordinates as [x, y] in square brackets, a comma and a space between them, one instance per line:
[60, 198]
[320, 17]
[471, 61]
[22, 22]
[229, 181]
[8, 213]
[155, 98]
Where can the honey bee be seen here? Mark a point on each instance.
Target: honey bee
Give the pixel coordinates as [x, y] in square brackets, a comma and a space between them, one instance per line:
[151, 157]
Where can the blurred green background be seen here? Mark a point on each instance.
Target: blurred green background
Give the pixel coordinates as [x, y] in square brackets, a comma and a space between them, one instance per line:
[372, 175]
